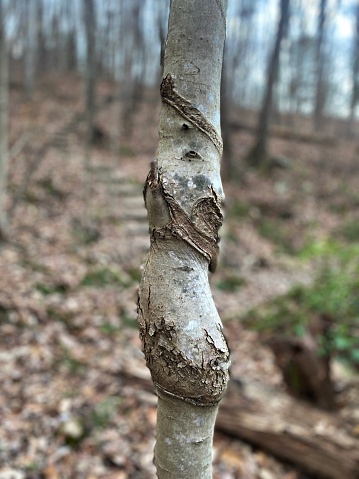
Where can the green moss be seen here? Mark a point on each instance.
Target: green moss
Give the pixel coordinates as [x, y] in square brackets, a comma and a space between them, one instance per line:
[48, 288]
[108, 329]
[85, 235]
[134, 274]
[3, 314]
[32, 466]
[230, 283]
[279, 232]
[239, 209]
[128, 321]
[350, 231]
[105, 276]
[104, 412]
[126, 150]
[66, 360]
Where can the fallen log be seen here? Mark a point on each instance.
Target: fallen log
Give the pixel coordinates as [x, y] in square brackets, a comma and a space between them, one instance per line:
[319, 442]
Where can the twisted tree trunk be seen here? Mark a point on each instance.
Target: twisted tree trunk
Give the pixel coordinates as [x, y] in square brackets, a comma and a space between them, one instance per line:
[180, 329]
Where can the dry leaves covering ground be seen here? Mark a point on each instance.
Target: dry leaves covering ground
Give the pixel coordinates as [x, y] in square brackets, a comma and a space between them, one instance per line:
[71, 400]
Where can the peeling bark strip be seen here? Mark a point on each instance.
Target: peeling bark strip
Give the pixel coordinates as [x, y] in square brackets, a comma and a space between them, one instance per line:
[182, 227]
[200, 230]
[185, 108]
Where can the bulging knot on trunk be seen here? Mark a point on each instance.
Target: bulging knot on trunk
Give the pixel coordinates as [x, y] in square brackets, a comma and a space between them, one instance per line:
[180, 328]
[185, 360]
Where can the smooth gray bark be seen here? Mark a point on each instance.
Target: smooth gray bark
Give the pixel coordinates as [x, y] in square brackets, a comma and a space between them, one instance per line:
[4, 92]
[180, 328]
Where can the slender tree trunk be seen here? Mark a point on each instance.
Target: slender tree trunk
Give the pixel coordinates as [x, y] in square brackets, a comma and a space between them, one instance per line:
[31, 50]
[355, 76]
[118, 76]
[320, 87]
[258, 155]
[90, 25]
[41, 57]
[180, 328]
[162, 15]
[90, 92]
[4, 85]
[133, 48]
[229, 171]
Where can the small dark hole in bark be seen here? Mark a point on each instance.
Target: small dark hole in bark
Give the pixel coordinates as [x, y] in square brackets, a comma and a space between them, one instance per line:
[192, 154]
[185, 126]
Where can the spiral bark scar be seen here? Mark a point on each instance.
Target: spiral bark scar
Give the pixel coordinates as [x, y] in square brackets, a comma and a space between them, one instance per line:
[185, 108]
[200, 230]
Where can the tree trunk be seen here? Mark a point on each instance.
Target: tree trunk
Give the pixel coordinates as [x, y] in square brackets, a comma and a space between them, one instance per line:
[41, 57]
[180, 329]
[258, 154]
[90, 26]
[320, 87]
[132, 44]
[4, 85]
[229, 170]
[355, 76]
[31, 50]
[90, 101]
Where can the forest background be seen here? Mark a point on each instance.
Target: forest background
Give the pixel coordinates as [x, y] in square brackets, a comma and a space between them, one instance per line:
[79, 107]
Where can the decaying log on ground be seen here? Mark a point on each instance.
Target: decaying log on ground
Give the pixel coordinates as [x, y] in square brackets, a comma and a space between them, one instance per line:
[317, 441]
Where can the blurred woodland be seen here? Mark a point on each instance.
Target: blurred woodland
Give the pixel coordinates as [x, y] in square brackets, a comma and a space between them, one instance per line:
[79, 108]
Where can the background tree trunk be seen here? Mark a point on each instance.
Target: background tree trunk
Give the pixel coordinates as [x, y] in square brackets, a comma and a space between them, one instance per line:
[90, 26]
[31, 49]
[229, 171]
[4, 85]
[355, 76]
[180, 328]
[320, 59]
[132, 44]
[259, 152]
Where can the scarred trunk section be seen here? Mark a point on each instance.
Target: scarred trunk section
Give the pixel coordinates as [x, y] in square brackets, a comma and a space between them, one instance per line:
[179, 325]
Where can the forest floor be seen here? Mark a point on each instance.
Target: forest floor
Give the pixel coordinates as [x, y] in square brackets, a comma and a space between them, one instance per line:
[70, 354]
